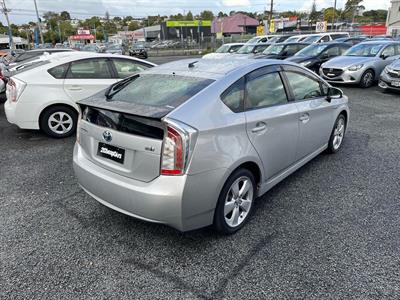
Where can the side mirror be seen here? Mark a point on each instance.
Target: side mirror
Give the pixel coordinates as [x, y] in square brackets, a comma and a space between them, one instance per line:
[334, 93]
[383, 56]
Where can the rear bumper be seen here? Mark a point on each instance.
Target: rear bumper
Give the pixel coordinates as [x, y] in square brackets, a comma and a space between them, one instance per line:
[176, 201]
[9, 109]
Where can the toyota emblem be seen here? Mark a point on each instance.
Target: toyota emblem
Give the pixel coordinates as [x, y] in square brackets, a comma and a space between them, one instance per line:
[107, 136]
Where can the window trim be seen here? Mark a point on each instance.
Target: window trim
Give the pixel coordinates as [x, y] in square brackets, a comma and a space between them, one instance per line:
[262, 72]
[89, 59]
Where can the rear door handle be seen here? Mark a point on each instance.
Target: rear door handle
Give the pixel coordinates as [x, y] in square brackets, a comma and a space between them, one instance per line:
[304, 118]
[260, 126]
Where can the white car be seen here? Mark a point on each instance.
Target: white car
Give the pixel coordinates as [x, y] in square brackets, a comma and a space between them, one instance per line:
[44, 95]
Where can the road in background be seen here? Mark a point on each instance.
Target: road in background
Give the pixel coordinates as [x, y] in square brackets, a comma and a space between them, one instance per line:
[330, 230]
[165, 59]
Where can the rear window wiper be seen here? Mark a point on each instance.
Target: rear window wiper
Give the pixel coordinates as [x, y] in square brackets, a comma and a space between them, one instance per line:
[116, 87]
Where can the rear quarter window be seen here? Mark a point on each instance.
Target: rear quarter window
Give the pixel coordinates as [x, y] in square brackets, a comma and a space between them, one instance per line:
[59, 72]
[234, 95]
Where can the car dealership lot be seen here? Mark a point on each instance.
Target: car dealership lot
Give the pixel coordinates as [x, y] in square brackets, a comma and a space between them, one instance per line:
[331, 230]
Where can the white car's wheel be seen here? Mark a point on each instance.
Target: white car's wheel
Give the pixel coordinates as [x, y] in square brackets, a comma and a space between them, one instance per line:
[59, 121]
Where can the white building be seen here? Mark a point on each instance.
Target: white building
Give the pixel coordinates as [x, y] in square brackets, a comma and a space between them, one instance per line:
[19, 42]
[393, 19]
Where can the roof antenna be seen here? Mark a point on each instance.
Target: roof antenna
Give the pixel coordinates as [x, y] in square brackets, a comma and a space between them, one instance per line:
[191, 65]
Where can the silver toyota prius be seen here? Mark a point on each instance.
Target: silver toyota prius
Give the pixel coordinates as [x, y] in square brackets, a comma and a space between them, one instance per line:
[193, 143]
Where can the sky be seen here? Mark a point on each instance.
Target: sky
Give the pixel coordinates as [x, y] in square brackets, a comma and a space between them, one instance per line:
[22, 11]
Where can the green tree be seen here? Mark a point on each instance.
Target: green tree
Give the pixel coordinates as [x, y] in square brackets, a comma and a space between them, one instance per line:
[222, 14]
[189, 16]
[133, 26]
[206, 15]
[315, 15]
[65, 15]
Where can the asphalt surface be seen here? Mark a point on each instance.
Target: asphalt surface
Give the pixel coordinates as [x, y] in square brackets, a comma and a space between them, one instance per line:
[329, 231]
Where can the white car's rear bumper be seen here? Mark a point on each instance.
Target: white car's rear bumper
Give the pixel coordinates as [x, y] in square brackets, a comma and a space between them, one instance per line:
[9, 109]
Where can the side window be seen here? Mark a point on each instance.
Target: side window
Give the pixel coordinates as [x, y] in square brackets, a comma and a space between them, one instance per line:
[59, 71]
[339, 36]
[388, 51]
[89, 69]
[342, 50]
[303, 87]
[265, 90]
[332, 52]
[259, 49]
[300, 47]
[291, 49]
[397, 49]
[325, 39]
[233, 96]
[126, 68]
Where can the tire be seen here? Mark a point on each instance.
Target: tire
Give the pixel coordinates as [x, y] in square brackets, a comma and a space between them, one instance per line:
[337, 135]
[59, 121]
[367, 79]
[233, 212]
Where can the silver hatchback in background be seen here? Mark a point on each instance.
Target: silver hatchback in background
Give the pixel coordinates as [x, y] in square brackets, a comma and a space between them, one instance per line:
[390, 77]
[193, 143]
[362, 64]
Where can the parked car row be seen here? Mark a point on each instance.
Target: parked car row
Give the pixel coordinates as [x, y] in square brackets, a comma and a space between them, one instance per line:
[358, 61]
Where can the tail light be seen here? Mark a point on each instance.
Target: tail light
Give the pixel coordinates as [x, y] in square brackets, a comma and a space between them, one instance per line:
[14, 89]
[179, 141]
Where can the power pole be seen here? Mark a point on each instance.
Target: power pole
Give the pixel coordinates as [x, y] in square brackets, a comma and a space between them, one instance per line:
[271, 11]
[39, 23]
[5, 12]
[334, 15]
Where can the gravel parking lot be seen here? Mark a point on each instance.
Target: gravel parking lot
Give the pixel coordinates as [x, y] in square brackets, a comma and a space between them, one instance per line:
[329, 231]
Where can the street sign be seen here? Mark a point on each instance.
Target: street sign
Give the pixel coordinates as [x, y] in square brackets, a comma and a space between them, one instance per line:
[321, 27]
[194, 23]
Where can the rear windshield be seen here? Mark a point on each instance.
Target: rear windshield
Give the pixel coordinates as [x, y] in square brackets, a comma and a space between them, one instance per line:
[160, 90]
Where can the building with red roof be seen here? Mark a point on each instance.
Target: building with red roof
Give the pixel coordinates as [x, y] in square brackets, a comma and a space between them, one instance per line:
[235, 24]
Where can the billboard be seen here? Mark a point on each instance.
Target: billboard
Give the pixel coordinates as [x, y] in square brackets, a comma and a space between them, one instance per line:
[194, 23]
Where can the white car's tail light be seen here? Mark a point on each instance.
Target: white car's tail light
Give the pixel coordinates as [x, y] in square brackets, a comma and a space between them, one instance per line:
[14, 89]
[178, 145]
